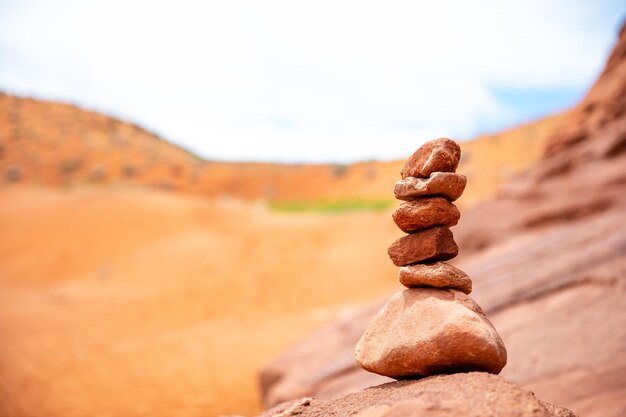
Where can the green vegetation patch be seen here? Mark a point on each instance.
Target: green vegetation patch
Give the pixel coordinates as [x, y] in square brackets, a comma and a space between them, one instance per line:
[330, 206]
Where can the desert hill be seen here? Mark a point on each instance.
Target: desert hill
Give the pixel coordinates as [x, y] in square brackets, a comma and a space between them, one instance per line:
[56, 144]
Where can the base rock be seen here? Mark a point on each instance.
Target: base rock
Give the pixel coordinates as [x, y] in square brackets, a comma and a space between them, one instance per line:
[427, 331]
[458, 395]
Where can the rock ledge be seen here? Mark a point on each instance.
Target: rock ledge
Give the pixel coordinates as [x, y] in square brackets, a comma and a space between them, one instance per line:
[462, 394]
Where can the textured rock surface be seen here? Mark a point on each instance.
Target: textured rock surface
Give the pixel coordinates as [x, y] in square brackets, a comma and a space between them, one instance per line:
[435, 244]
[438, 274]
[426, 331]
[444, 184]
[424, 213]
[548, 257]
[322, 364]
[438, 155]
[465, 394]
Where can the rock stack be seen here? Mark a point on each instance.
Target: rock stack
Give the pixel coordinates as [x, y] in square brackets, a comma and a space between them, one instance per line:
[432, 327]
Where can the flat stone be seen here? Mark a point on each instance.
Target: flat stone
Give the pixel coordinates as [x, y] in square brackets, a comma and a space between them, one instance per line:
[438, 274]
[424, 213]
[438, 155]
[428, 331]
[436, 244]
[444, 184]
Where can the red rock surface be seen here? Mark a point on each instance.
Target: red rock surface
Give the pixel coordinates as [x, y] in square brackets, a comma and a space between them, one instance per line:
[548, 259]
[437, 155]
[444, 184]
[436, 244]
[429, 331]
[469, 394]
[438, 274]
[421, 214]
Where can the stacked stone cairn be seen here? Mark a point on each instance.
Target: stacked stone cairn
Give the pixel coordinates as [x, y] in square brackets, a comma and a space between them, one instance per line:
[433, 327]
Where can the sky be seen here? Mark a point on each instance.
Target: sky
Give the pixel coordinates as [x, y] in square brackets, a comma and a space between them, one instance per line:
[309, 81]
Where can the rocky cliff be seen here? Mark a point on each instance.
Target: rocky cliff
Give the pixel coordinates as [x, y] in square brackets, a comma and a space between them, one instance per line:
[548, 259]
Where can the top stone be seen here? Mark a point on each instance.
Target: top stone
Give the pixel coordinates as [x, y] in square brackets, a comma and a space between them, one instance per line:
[438, 155]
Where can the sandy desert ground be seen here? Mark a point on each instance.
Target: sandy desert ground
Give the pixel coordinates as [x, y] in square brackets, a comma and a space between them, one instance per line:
[137, 302]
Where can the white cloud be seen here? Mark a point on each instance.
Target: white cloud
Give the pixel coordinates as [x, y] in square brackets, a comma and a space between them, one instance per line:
[302, 81]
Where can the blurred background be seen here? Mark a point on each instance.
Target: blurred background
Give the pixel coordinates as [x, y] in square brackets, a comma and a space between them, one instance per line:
[188, 189]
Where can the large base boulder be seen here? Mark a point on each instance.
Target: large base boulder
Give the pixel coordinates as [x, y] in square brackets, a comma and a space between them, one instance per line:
[428, 331]
[457, 395]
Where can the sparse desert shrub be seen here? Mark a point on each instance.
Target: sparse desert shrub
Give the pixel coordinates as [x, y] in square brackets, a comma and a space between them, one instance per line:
[13, 173]
[99, 173]
[129, 171]
[339, 170]
[71, 166]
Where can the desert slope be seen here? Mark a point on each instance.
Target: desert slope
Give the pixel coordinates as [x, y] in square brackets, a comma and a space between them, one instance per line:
[56, 144]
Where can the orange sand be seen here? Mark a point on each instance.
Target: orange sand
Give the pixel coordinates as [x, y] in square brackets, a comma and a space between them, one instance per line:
[130, 302]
